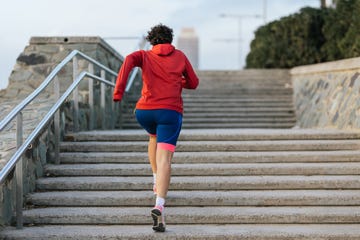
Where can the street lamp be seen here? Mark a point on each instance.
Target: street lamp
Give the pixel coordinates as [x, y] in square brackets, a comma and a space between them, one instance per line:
[239, 17]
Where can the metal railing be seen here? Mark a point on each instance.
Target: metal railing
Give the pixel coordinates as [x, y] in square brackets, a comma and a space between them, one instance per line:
[16, 160]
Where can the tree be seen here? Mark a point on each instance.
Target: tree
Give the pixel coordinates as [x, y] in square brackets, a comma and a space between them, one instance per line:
[350, 44]
[290, 41]
[342, 30]
[310, 36]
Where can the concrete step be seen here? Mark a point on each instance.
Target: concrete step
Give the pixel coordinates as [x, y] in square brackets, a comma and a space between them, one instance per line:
[220, 104]
[216, 82]
[222, 125]
[206, 169]
[229, 84]
[263, 74]
[238, 125]
[201, 183]
[278, 115]
[211, 94]
[343, 156]
[192, 231]
[238, 109]
[214, 146]
[240, 90]
[198, 198]
[226, 98]
[222, 135]
[193, 215]
[234, 99]
[265, 115]
[223, 120]
[220, 120]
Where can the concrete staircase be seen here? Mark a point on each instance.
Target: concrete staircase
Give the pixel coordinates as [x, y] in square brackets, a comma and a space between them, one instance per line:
[226, 184]
[236, 99]
[234, 175]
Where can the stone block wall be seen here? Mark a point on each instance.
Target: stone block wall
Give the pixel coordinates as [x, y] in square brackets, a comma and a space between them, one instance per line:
[327, 95]
[35, 157]
[33, 65]
[43, 53]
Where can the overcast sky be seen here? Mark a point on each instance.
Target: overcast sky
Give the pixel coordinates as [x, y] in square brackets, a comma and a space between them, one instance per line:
[21, 19]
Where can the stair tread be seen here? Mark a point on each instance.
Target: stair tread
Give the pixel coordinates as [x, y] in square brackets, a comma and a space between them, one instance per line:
[239, 109]
[204, 231]
[211, 119]
[200, 198]
[227, 134]
[194, 215]
[223, 125]
[202, 183]
[198, 169]
[266, 145]
[216, 157]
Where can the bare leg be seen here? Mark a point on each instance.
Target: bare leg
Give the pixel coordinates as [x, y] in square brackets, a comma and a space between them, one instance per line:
[163, 162]
[152, 153]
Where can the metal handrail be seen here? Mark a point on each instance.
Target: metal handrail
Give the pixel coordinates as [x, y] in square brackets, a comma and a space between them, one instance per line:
[46, 82]
[16, 160]
[21, 150]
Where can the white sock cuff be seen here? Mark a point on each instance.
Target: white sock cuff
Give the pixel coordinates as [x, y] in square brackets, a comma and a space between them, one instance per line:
[160, 201]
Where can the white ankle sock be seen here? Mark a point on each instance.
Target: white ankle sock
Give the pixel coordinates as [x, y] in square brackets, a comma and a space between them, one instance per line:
[160, 201]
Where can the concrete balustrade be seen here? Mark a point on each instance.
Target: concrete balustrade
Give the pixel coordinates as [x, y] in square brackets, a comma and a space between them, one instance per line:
[327, 95]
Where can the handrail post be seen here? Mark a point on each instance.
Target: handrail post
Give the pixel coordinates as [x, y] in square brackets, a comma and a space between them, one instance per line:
[91, 97]
[57, 121]
[113, 109]
[19, 173]
[76, 96]
[102, 101]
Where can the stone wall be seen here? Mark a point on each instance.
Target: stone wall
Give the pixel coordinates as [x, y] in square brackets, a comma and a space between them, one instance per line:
[33, 65]
[43, 53]
[327, 95]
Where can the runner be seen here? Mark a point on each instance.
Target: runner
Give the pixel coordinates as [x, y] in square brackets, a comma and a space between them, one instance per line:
[165, 71]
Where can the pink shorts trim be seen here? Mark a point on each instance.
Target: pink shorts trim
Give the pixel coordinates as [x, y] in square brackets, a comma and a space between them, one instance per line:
[152, 135]
[166, 146]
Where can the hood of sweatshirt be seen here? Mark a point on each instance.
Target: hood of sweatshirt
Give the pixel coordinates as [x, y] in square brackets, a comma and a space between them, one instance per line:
[163, 49]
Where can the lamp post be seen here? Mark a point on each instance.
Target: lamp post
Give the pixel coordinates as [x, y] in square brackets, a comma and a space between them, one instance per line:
[239, 17]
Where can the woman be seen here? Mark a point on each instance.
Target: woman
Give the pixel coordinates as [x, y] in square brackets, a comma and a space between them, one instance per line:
[165, 71]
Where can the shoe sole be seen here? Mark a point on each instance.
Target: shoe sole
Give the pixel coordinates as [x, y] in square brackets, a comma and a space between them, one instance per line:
[158, 226]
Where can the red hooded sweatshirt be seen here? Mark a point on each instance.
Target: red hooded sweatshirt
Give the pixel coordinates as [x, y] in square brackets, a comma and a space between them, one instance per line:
[165, 71]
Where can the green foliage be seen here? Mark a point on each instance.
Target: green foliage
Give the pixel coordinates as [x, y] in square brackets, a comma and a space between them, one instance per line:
[310, 36]
[350, 44]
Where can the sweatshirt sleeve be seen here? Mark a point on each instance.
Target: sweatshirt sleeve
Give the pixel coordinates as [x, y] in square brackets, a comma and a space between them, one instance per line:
[190, 80]
[131, 61]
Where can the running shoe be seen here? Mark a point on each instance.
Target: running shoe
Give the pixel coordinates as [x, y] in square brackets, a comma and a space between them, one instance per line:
[157, 214]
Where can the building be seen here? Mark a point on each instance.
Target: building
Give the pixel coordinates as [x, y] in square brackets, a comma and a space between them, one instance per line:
[188, 42]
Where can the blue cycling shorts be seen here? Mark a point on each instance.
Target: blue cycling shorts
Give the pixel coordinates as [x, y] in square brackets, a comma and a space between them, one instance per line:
[163, 123]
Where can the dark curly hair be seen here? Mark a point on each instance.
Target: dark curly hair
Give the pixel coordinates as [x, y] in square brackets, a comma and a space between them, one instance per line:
[160, 34]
